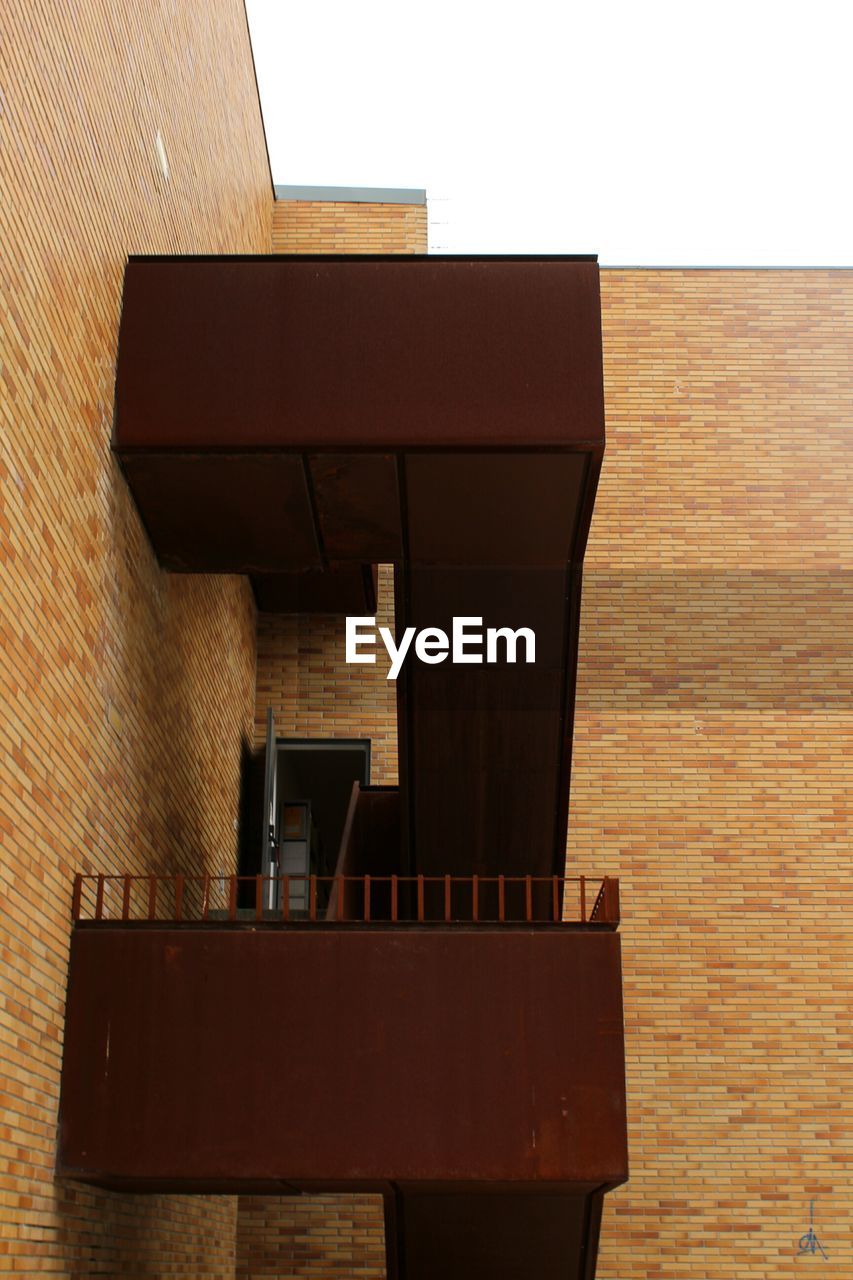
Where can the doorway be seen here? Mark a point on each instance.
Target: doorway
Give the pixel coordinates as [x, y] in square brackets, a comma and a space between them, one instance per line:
[307, 789]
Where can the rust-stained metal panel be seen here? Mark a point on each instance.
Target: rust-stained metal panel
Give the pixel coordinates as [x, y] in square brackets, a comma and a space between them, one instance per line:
[358, 506]
[340, 1057]
[341, 588]
[510, 1235]
[340, 353]
[226, 513]
[488, 743]
[493, 508]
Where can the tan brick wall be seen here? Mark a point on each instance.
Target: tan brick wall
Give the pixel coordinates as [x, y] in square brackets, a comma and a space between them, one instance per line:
[712, 751]
[328, 1236]
[712, 741]
[314, 226]
[120, 738]
[314, 694]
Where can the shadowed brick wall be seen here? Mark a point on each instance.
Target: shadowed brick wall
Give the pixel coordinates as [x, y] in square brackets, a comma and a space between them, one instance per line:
[710, 772]
[328, 1236]
[126, 692]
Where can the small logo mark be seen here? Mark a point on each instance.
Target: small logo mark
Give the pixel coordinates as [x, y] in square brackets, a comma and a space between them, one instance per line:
[809, 1242]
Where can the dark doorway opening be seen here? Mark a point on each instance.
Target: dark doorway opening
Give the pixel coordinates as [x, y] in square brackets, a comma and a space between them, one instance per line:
[299, 804]
[319, 773]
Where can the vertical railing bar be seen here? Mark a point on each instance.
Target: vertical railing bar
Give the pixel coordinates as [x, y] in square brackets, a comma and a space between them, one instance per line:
[501, 900]
[528, 899]
[420, 899]
[340, 886]
[475, 898]
[232, 897]
[312, 896]
[447, 900]
[152, 897]
[367, 899]
[555, 898]
[76, 897]
[125, 899]
[611, 900]
[99, 899]
[285, 897]
[393, 899]
[259, 897]
[583, 899]
[179, 896]
[205, 896]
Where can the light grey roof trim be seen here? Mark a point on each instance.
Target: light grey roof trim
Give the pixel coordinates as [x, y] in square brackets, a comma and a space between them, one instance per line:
[353, 195]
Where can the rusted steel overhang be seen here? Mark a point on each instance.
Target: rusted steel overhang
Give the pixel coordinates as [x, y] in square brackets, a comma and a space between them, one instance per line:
[250, 1058]
[359, 353]
[300, 419]
[278, 415]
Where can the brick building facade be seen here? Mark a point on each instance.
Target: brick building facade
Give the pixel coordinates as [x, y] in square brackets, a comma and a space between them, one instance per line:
[120, 743]
[713, 723]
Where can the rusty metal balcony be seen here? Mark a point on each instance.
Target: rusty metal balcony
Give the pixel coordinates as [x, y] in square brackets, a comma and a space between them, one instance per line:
[469, 1044]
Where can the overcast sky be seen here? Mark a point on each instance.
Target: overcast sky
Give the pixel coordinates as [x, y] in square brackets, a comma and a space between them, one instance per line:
[650, 133]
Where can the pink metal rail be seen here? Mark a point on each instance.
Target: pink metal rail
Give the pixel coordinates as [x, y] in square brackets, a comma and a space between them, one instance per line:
[354, 899]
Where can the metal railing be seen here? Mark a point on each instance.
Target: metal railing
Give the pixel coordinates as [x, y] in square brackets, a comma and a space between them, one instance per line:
[366, 899]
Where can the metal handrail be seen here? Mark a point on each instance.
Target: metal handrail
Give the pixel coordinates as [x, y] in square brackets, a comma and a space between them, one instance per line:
[419, 899]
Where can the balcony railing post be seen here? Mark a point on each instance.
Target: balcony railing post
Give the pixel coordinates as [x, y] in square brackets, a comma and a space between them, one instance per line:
[99, 899]
[611, 900]
[312, 896]
[367, 899]
[448, 901]
[475, 898]
[152, 897]
[340, 885]
[285, 897]
[125, 899]
[259, 897]
[528, 899]
[205, 897]
[420, 899]
[394, 899]
[77, 897]
[232, 897]
[583, 899]
[179, 897]
[501, 899]
[555, 898]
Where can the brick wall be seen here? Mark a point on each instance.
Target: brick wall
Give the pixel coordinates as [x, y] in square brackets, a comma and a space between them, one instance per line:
[120, 740]
[712, 739]
[314, 226]
[712, 751]
[327, 1236]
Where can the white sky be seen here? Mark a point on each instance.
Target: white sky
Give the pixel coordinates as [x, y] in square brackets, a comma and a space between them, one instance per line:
[650, 133]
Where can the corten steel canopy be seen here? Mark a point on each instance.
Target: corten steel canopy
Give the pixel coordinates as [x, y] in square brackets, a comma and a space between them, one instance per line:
[300, 418]
[462, 1073]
